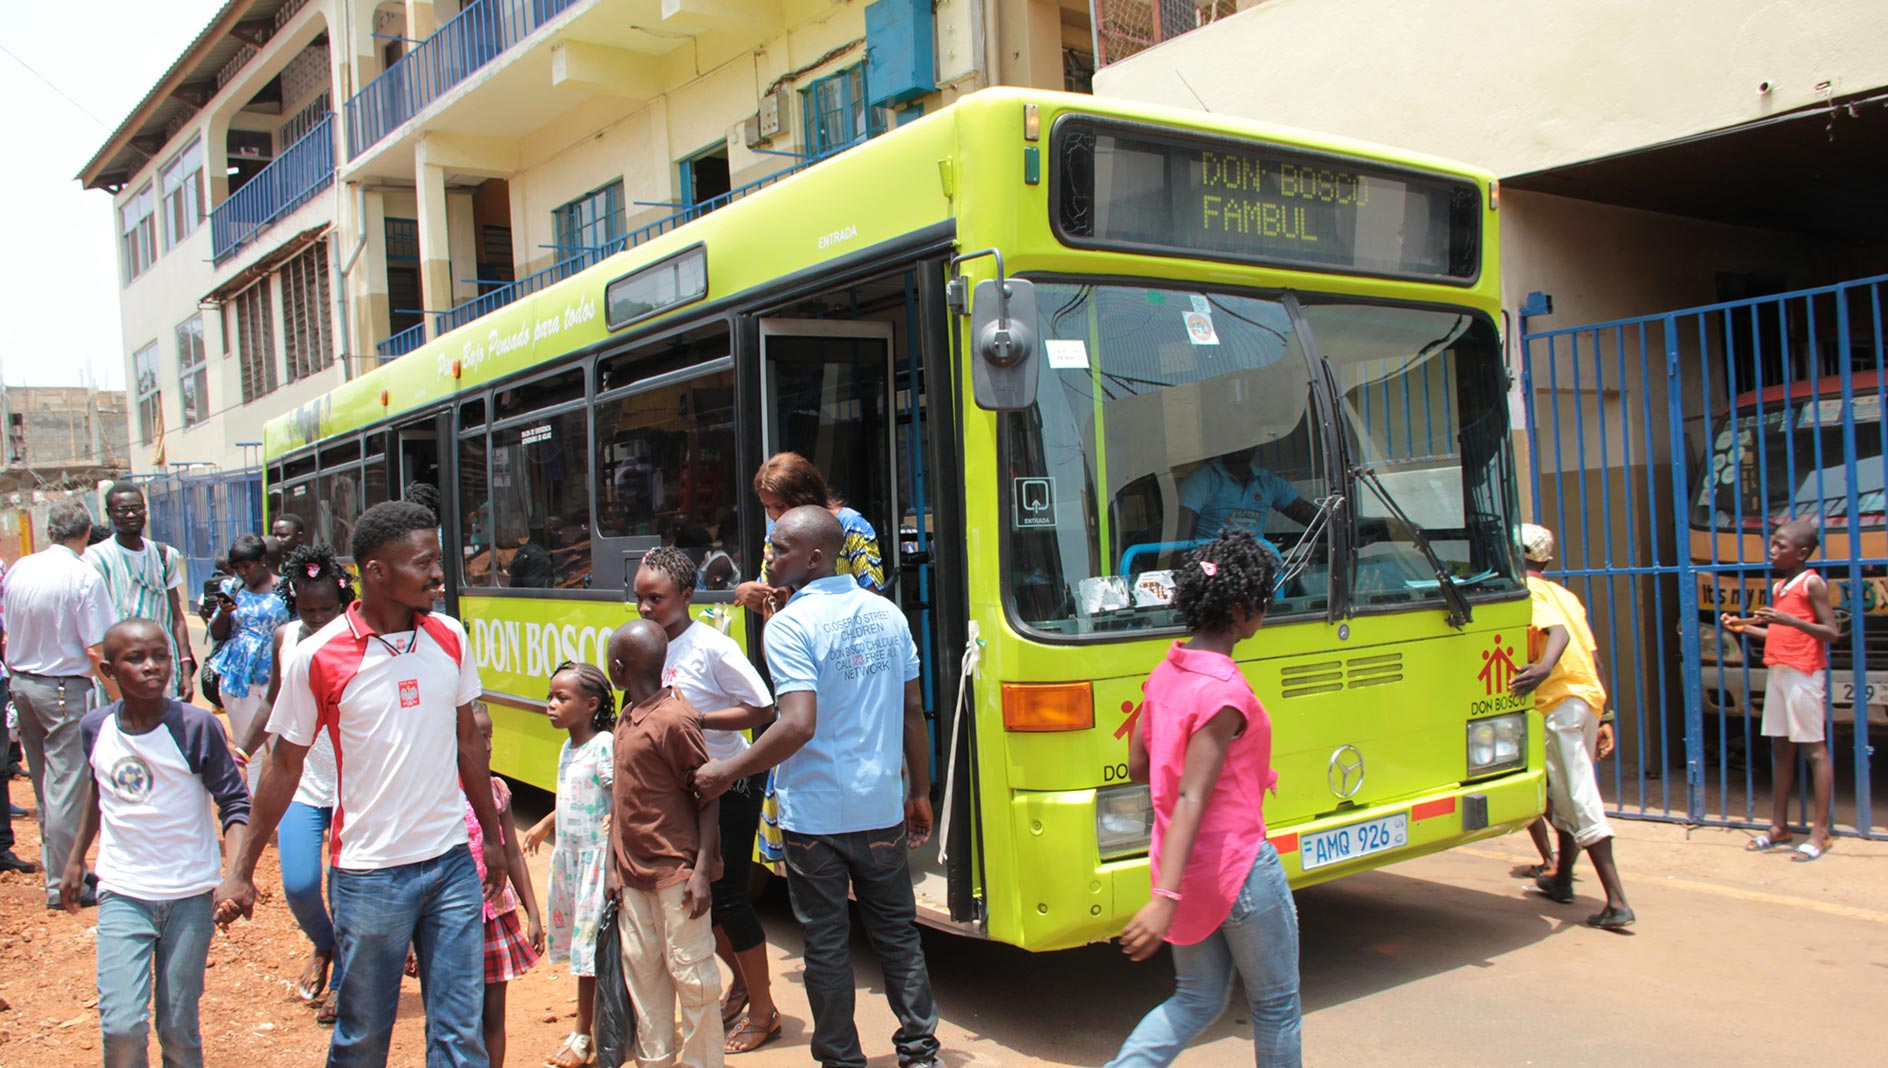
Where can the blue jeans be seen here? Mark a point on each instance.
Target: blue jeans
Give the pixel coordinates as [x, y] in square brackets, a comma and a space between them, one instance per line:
[1260, 940]
[437, 907]
[144, 941]
[299, 839]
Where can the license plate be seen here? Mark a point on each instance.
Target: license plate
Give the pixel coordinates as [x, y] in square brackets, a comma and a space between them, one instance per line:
[1353, 840]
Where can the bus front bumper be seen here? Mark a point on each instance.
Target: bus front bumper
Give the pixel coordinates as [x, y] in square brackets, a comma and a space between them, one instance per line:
[1052, 906]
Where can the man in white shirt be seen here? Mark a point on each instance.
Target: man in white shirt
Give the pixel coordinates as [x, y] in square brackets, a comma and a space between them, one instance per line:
[59, 611]
[394, 686]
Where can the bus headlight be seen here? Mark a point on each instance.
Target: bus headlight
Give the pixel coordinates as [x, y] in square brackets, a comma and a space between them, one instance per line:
[1124, 820]
[1498, 743]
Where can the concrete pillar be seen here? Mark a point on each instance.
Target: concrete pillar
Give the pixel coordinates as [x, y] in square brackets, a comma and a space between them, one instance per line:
[435, 235]
[1030, 39]
[422, 19]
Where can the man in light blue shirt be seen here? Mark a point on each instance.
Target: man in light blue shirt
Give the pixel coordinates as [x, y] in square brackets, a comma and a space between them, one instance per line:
[1233, 491]
[853, 781]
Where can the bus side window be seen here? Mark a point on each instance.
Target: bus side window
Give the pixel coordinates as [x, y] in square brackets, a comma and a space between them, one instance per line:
[540, 502]
[475, 556]
[665, 473]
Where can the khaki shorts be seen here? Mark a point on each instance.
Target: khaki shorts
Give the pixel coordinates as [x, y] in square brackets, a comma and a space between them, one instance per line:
[1792, 704]
[1574, 804]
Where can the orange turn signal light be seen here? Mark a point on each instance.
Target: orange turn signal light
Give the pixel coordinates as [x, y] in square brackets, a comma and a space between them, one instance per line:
[384, 398]
[455, 368]
[1061, 706]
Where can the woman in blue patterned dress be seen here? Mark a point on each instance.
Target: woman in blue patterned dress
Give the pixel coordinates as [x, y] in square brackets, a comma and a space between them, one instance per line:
[247, 613]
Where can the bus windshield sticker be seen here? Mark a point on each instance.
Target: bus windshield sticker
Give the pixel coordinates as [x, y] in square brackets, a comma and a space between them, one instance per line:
[1035, 503]
[535, 434]
[1200, 329]
[1200, 303]
[1068, 354]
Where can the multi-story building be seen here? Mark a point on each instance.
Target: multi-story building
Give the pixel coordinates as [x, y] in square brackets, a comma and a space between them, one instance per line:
[316, 186]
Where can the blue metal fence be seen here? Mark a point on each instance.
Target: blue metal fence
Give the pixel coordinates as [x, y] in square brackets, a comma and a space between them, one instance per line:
[201, 515]
[468, 41]
[414, 336]
[1666, 449]
[302, 170]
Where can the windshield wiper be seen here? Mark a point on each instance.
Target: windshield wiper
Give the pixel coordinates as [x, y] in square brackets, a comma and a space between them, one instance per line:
[1459, 612]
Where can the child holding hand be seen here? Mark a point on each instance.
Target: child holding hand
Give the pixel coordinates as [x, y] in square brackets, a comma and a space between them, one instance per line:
[509, 950]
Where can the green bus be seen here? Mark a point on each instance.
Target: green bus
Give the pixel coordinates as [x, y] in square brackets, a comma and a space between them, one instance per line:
[1030, 337]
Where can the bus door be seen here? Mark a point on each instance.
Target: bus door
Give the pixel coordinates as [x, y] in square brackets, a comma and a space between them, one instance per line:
[417, 464]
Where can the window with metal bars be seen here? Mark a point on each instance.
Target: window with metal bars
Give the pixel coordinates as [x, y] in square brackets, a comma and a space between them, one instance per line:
[307, 325]
[590, 221]
[255, 340]
[837, 114]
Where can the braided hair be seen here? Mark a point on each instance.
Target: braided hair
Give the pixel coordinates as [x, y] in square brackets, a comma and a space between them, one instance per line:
[313, 562]
[1232, 570]
[591, 680]
[674, 565]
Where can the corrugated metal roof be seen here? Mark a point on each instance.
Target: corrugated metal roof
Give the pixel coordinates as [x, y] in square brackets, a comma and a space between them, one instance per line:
[200, 61]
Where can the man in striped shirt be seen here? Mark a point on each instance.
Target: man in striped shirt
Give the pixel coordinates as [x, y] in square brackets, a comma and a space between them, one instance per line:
[143, 577]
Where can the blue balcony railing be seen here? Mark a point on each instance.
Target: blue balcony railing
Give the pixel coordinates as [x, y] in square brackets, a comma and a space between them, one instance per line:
[470, 40]
[302, 170]
[413, 337]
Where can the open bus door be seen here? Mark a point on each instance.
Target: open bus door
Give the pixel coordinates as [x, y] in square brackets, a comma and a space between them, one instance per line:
[830, 391]
[417, 460]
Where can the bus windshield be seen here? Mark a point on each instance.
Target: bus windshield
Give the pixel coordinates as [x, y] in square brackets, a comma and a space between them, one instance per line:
[1780, 462]
[1166, 414]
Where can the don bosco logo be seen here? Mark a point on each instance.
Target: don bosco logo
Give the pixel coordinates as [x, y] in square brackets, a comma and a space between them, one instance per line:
[1498, 667]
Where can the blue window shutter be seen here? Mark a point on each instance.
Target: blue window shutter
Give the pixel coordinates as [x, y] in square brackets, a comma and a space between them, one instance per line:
[899, 47]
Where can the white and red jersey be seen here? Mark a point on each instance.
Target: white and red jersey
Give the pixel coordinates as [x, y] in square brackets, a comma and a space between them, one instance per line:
[389, 703]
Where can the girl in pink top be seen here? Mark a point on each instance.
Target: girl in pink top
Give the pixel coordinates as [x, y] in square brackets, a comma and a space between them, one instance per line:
[1204, 744]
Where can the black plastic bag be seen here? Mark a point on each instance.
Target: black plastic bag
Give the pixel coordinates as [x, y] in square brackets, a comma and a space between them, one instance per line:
[613, 1022]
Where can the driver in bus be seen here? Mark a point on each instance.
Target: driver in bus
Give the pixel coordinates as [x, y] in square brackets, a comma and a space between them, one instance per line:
[1234, 491]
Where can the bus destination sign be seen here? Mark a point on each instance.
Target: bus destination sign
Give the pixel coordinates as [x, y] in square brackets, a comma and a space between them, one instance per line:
[1222, 199]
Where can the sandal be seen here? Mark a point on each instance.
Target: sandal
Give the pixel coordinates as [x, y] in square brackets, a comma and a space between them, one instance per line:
[1809, 851]
[314, 978]
[1612, 919]
[739, 1042]
[732, 1009]
[1763, 842]
[576, 1044]
[1560, 894]
[330, 1009]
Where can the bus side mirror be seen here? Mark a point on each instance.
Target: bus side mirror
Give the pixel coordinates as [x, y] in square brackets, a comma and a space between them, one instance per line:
[1004, 357]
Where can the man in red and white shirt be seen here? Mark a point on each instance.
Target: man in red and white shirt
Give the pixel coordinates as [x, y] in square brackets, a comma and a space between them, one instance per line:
[393, 686]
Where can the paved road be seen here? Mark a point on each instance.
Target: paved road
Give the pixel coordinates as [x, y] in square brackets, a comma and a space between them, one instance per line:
[1447, 961]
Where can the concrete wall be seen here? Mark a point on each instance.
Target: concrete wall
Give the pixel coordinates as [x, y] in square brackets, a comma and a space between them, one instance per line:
[1515, 85]
[177, 286]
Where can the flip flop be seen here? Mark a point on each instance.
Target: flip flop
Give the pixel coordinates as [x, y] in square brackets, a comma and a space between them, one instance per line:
[1763, 843]
[1560, 895]
[750, 1027]
[1809, 851]
[1612, 919]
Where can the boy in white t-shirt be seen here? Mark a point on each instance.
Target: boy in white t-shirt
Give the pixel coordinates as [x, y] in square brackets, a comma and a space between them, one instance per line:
[153, 765]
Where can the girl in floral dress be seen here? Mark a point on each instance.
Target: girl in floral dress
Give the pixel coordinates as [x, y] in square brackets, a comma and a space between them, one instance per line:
[581, 702]
[247, 613]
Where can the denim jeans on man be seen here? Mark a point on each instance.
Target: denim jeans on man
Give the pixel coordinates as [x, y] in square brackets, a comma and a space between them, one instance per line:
[875, 866]
[50, 710]
[1259, 940]
[147, 947]
[437, 907]
[299, 841]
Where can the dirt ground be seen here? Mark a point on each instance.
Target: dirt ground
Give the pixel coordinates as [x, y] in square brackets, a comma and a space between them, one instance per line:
[250, 1012]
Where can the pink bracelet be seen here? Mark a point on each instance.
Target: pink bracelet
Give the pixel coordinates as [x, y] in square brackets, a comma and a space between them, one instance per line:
[1171, 895]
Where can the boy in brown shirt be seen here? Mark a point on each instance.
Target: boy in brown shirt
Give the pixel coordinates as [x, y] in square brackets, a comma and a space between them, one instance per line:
[665, 851]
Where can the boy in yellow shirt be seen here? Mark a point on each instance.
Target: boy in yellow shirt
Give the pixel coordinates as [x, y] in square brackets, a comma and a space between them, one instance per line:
[1565, 681]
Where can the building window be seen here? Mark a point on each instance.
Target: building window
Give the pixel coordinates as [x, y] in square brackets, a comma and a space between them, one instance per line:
[836, 112]
[705, 177]
[255, 340]
[139, 233]
[193, 373]
[150, 398]
[182, 182]
[591, 221]
[307, 325]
